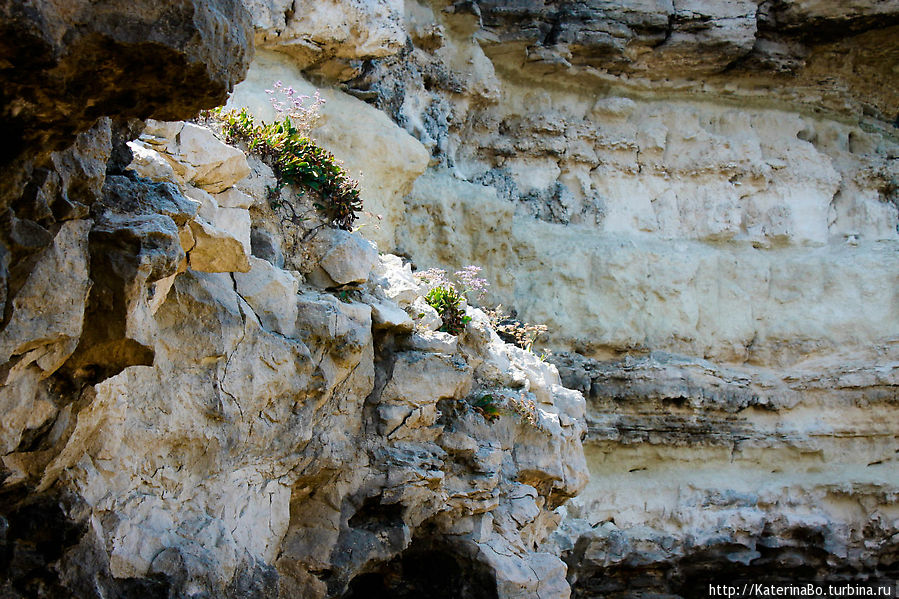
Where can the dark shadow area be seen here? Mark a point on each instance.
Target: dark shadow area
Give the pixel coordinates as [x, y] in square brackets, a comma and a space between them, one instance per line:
[375, 516]
[791, 556]
[427, 569]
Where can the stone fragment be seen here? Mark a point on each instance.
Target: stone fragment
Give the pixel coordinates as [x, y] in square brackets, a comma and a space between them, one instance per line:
[198, 157]
[259, 181]
[387, 315]
[39, 318]
[424, 315]
[234, 198]
[235, 221]
[433, 342]
[346, 257]
[395, 279]
[149, 163]
[423, 378]
[215, 250]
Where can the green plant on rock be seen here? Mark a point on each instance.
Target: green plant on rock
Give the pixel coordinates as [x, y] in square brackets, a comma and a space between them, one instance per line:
[448, 303]
[448, 297]
[296, 159]
[486, 406]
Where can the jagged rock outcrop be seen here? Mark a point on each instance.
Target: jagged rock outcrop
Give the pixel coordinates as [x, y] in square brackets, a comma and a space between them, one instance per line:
[66, 65]
[182, 416]
[276, 439]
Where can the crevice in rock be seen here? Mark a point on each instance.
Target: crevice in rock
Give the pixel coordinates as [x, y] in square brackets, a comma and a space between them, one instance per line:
[375, 516]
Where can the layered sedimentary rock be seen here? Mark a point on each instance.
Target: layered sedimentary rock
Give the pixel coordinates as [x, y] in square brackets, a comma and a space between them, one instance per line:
[699, 199]
[202, 396]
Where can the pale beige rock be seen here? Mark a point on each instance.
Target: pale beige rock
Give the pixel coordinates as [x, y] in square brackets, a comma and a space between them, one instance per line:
[386, 314]
[433, 341]
[234, 198]
[419, 380]
[40, 319]
[394, 278]
[272, 293]
[149, 163]
[346, 258]
[161, 290]
[316, 32]
[413, 384]
[232, 220]
[259, 181]
[215, 250]
[425, 316]
[197, 156]
[637, 217]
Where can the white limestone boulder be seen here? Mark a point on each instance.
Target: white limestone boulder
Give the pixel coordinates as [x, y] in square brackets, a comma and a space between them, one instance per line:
[198, 157]
[346, 257]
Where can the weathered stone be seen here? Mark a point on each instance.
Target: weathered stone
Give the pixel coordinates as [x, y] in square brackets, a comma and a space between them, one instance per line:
[266, 246]
[233, 221]
[394, 278]
[387, 315]
[328, 35]
[66, 67]
[37, 319]
[134, 242]
[634, 175]
[233, 198]
[149, 163]
[272, 293]
[198, 157]
[215, 250]
[433, 341]
[424, 315]
[346, 258]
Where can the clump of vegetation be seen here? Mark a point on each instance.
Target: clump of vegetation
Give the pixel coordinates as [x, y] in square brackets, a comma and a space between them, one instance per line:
[294, 157]
[486, 406]
[514, 331]
[448, 296]
[448, 303]
[489, 405]
[525, 406]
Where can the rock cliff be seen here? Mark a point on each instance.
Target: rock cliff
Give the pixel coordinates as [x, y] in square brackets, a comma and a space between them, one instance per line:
[202, 398]
[699, 200]
[205, 396]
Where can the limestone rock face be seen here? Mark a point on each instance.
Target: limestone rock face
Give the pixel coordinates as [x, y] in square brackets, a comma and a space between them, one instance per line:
[206, 393]
[328, 35]
[699, 200]
[383, 156]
